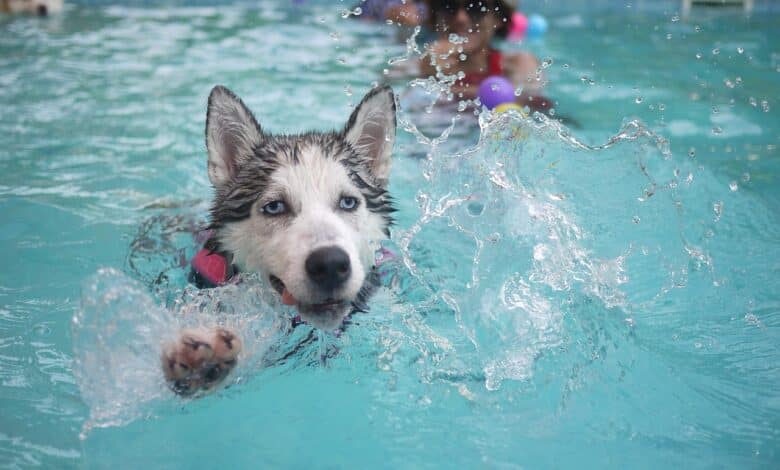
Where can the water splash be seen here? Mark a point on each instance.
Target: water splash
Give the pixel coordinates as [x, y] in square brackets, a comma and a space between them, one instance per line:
[541, 238]
[119, 332]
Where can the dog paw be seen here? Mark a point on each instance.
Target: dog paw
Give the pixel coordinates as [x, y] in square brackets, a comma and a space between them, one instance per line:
[200, 359]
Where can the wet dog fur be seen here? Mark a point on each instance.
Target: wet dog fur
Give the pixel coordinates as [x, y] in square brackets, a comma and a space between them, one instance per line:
[307, 212]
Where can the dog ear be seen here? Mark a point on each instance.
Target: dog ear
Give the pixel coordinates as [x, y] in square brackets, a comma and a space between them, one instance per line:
[371, 130]
[231, 134]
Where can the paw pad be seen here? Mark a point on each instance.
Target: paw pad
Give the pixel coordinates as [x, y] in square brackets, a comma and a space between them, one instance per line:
[200, 359]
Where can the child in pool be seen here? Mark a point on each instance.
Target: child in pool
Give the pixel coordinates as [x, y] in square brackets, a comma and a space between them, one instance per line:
[479, 22]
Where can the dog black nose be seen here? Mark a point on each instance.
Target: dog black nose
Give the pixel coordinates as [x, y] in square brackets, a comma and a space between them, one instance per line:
[328, 267]
[42, 10]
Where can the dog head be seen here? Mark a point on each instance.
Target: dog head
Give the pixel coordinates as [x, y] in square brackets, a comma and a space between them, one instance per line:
[305, 211]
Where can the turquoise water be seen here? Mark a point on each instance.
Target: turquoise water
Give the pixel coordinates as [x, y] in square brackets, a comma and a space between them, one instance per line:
[601, 296]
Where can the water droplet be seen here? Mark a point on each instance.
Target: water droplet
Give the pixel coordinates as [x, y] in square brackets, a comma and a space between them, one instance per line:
[715, 110]
[348, 90]
[698, 55]
[566, 66]
[455, 39]
[343, 61]
[519, 91]
[717, 130]
[461, 106]
[551, 112]
[462, 57]
[636, 219]
[675, 19]
[668, 35]
[547, 62]
[733, 186]
[638, 100]
[661, 107]
[335, 36]
[752, 102]
[740, 50]
[692, 152]
[729, 83]
[385, 72]
[765, 106]
[718, 209]
[347, 13]
[697, 28]
[716, 51]
[745, 177]
[738, 80]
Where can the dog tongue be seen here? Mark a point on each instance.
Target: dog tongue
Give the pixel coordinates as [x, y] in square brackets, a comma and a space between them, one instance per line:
[287, 298]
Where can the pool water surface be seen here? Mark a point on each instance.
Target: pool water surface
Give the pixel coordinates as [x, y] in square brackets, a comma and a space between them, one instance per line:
[599, 295]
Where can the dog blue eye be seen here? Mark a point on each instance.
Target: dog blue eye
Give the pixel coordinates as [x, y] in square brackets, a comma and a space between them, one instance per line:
[348, 203]
[274, 208]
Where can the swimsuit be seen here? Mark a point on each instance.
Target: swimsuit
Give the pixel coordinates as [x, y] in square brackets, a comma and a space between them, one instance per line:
[494, 67]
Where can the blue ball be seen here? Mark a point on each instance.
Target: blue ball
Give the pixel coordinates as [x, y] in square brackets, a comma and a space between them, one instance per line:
[537, 26]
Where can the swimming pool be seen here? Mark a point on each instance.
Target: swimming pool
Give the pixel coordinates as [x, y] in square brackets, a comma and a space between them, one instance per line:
[622, 308]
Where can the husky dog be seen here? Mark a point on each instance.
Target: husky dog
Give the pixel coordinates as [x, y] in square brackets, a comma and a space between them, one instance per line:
[36, 7]
[306, 212]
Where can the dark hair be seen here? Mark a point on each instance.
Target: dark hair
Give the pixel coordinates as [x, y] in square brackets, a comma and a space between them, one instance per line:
[499, 8]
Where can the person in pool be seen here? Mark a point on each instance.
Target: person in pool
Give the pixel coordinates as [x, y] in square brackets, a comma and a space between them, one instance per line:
[476, 23]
